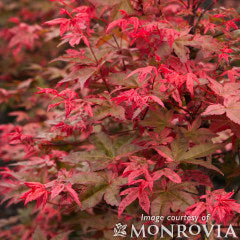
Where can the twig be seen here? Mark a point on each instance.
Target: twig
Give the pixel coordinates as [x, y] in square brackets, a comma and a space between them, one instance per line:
[104, 80]
[220, 34]
[124, 66]
[194, 11]
[200, 17]
[145, 113]
[183, 3]
[186, 110]
[236, 192]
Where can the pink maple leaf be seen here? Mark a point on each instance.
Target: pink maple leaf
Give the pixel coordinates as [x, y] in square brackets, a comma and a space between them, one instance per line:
[225, 54]
[190, 78]
[132, 194]
[38, 192]
[167, 172]
[143, 72]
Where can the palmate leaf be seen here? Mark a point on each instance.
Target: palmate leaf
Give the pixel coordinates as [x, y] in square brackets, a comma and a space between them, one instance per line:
[110, 192]
[93, 196]
[179, 147]
[104, 142]
[179, 153]
[123, 4]
[119, 78]
[199, 151]
[61, 236]
[160, 206]
[204, 164]
[158, 120]
[198, 136]
[179, 47]
[173, 199]
[88, 178]
[39, 234]
[82, 75]
[109, 109]
[111, 195]
[96, 159]
[106, 152]
[167, 172]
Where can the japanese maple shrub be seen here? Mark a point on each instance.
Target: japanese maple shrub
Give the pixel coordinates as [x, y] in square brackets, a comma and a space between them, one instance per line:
[137, 113]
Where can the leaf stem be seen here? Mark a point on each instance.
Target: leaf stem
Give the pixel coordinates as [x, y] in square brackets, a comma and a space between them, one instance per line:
[100, 70]
[123, 63]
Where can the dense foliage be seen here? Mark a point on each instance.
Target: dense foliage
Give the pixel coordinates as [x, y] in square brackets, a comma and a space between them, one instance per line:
[117, 109]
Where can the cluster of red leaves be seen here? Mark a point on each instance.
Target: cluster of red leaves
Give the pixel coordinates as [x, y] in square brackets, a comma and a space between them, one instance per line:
[138, 107]
[218, 204]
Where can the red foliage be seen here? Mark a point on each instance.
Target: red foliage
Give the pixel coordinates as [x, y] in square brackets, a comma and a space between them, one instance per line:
[139, 106]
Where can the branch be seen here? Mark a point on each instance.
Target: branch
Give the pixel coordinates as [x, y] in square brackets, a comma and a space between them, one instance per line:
[186, 110]
[235, 193]
[194, 11]
[200, 17]
[220, 34]
[145, 113]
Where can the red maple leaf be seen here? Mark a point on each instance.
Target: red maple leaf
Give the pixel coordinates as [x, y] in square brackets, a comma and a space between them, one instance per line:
[23, 35]
[225, 54]
[137, 167]
[38, 192]
[132, 194]
[218, 204]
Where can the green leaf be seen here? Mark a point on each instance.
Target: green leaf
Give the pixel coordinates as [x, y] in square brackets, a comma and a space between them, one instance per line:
[39, 234]
[110, 191]
[120, 79]
[82, 75]
[107, 109]
[196, 134]
[104, 142]
[124, 146]
[204, 164]
[179, 147]
[96, 159]
[61, 236]
[160, 206]
[93, 197]
[174, 200]
[103, 39]
[106, 152]
[199, 151]
[87, 178]
[111, 195]
[199, 136]
[181, 200]
[122, 5]
[179, 47]
[158, 120]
